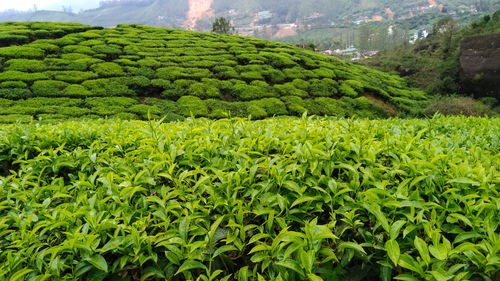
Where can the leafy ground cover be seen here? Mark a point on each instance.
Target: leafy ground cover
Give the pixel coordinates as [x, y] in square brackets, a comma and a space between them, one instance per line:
[182, 73]
[278, 199]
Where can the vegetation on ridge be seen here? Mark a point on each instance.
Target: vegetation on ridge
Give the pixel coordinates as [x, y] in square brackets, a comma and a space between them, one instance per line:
[130, 70]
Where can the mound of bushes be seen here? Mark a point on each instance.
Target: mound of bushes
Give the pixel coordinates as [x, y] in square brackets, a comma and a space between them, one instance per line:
[189, 69]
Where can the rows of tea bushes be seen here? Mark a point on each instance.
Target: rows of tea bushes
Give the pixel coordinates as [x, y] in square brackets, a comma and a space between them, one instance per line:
[204, 74]
[19, 33]
[279, 199]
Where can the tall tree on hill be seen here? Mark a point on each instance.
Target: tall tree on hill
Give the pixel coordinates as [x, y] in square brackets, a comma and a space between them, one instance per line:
[364, 33]
[222, 26]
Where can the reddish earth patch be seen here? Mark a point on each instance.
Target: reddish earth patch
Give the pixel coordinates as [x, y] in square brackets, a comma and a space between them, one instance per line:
[198, 9]
[389, 108]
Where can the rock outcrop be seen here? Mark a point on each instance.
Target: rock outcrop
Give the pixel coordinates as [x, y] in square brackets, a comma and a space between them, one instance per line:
[480, 66]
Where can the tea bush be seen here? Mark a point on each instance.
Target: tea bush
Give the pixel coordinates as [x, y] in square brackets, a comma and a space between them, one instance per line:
[146, 62]
[279, 199]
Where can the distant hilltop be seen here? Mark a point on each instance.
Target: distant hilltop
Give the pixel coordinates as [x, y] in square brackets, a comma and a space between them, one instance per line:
[259, 18]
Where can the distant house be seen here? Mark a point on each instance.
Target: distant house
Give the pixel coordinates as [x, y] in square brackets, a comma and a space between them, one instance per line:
[349, 51]
[264, 16]
[419, 34]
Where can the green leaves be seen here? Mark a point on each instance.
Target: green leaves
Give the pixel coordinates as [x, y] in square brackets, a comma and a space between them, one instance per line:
[393, 251]
[278, 199]
[353, 246]
[98, 262]
[422, 249]
[189, 265]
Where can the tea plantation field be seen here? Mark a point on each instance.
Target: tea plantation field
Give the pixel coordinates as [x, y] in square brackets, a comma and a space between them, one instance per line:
[61, 71]
[278, 199]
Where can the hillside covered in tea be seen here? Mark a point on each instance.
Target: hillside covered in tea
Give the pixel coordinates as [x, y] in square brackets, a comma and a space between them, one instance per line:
[54, 71]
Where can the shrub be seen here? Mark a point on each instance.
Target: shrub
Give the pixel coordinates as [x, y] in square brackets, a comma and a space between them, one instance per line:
[299, 73]
[274, 76]
[51, 117]
[54, 102]
[204, 91]
[145, 111]
[246, 92]
[191, 105]
[110, 101]
[125, 62]
[453, 105]
[47, 47]
[15, 93]
[295, 105]
[142, 71]
[13, 84]
[489, 101]
[347, 90]
[12, 39]
[25, 65]
[224, 109]
[107, 88]
[82, 64]
[300, 84]
[289, 90]
[356, 85]
[166, 106]
[90, 43]
[107, 110]
[363, 108]
[78, 49]
[72, 76]
[5, 102]
[251, 75]
[108, 69]
[73, 111]
[149, 63]
[74, 56]
[256, 111]
[272, 106]
[323, 88]
[15, 118]
[176, 73]
[76, 91]
[49, 88]
[324, 73]
[125, 116]
[107, 50]
[279, 60]
[138, 82]
[161, 83]
[21, 52]
[12, 75]
[178, 89]
[332, 107]
[225, 72]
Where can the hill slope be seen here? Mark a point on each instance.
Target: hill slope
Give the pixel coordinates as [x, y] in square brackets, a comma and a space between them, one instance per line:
[131, 70]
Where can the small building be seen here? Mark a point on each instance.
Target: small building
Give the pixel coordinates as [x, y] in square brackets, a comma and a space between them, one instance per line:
[264, 16]
[349, 51]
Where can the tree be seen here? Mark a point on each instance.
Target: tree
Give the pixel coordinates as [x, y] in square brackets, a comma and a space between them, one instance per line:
[445, 29]
[364, 33]
[222, 26]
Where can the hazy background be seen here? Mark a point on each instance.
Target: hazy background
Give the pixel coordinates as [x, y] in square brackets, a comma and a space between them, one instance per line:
[23, 5]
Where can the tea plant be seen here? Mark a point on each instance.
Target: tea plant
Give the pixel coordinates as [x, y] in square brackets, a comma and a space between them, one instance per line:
[60, 60]
[278, 199]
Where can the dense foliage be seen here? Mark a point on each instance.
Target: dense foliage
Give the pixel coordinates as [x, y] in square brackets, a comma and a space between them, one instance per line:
[279, 199]
[433, 63]
[134, 69]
